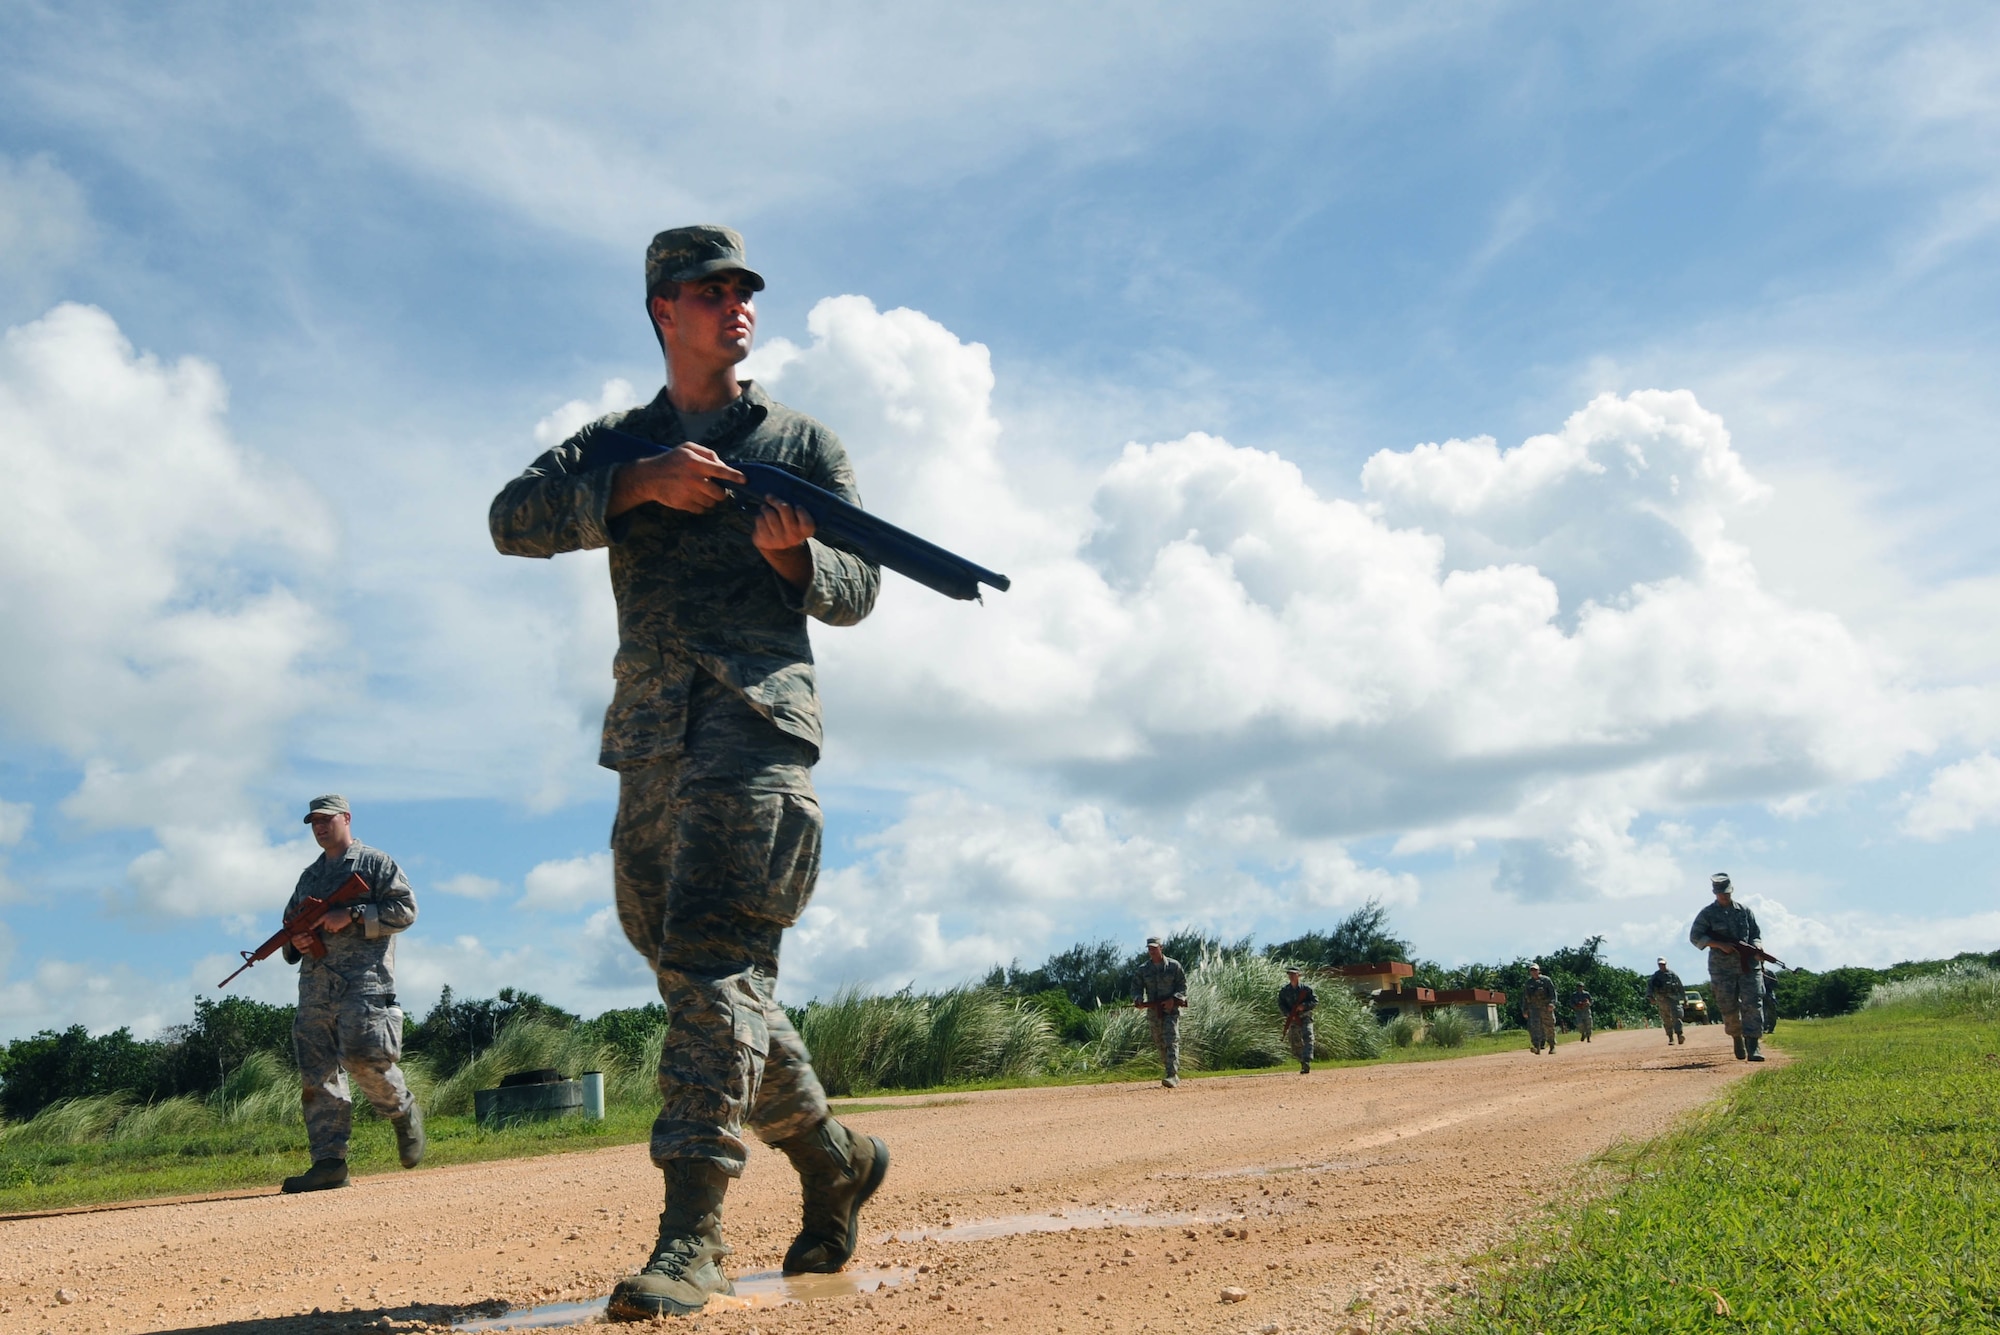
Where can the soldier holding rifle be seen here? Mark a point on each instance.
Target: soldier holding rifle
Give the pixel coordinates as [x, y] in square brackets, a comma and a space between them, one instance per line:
[1538, 1004]
[1297, 1001]
[714, 727]
[348, 1022]
[1665, 993]
[1728, 931]
[1162, 994]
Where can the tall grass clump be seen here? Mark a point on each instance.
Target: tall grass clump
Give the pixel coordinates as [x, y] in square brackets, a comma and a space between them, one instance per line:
[524, 1045]
[959, 1036]
[1344, 1029]
[262, 1091]
[181, 1116]
[71, 1121]
[1449, 1028]
[862, 1042]
[1403, 1030]
[1959, 991]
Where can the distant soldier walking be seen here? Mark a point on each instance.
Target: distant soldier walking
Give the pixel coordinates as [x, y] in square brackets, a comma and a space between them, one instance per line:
[1580, 1008]
[1297, 1002]
[1162, 993]
[348, 1023]
[1738, 984]
[1538, 1004]
[1665, 994]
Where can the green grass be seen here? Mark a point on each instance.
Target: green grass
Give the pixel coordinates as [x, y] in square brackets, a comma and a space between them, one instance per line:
[1852, 1190]
[50, 1177]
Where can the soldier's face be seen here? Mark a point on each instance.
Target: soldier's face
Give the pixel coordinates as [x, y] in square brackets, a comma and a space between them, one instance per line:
[713, 319]
[1155, 954]
[330, 829]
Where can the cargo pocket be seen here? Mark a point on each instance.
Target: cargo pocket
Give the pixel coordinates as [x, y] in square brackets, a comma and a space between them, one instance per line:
[374, 1031]
[758, 850]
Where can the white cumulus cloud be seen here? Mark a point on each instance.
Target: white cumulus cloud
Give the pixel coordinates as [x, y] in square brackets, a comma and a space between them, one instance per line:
[1960, 797]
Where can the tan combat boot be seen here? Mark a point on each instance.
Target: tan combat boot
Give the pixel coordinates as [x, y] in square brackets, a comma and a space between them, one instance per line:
[838, 1172]
[686, 1269]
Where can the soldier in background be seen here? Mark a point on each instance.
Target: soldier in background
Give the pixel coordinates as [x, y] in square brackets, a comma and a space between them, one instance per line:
[1665, 993]
[714, 727]
[1162, 992]
[1538, 1004]
[348, 1022]
[1297, 1001]
[1580, 1008]
[1738, 987]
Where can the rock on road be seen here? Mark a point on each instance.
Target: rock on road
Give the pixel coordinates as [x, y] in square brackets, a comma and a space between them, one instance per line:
[1103, 1208]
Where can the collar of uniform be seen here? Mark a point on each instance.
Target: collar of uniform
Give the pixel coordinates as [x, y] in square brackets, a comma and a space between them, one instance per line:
[752, 400]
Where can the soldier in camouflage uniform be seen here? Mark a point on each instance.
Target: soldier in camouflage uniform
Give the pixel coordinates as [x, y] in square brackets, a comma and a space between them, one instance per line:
[714, 727]
[1297, 1002]
[1163, 991]
[348, 1024]
[1665, 993]
[1538, 1004]
[1738, 987]
[1580, 1009]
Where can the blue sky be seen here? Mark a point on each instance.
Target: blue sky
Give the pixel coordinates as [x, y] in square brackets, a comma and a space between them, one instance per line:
[1511, 461]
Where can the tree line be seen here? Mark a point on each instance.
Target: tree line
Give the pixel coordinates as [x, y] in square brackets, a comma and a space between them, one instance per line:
[1065, 990]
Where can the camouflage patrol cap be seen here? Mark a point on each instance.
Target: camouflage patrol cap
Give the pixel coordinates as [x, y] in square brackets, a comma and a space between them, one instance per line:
[332, 804]
[1152, 940]
[683, 254]
[1719, 883]
[1292, 969]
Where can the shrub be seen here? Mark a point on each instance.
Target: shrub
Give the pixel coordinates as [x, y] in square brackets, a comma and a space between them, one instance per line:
[1403, 1030]
[183, 1115]
[1449, 1028]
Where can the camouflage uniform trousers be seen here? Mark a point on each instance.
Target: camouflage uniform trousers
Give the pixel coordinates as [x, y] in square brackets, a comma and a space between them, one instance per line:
[1583, 1023]
[1541, 1023]
[1670, 1015]
[1300, 1037]
[715, 852]
[337, 1034]
[1166, 1027]
[1740, 996]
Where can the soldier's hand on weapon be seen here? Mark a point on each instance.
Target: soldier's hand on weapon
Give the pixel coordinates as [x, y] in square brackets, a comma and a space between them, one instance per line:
[688, 477]
[336, 920]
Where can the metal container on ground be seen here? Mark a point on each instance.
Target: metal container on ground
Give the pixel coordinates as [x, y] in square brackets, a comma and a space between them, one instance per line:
[527, 1102]
[593, 1095]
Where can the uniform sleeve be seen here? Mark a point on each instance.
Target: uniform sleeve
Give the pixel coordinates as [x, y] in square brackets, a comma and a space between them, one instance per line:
[554, 506]
[1756, 933]
[843, 587]
[1311, 999]
[1698, 934]
[291, 955]
[1180, 983]
[395, 904]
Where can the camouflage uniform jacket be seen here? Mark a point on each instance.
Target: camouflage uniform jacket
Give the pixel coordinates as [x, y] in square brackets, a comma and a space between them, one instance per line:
[1725, 922]
[361, 957]
[1160, 981]
[1539, 990]
[1665, 983]
[693, 592]
[1297, 997]
[1581, 1001]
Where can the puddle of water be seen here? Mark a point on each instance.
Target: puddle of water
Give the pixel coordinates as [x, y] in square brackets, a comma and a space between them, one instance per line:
[764, 1288]
[1056, 1221]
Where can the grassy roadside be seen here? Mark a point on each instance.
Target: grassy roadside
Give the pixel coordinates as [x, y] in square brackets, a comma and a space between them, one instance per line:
[59, 1176]
[1852, 1190]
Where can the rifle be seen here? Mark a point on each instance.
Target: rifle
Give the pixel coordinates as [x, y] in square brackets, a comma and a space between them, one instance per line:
[307, 919]
[835, 521]
[1175, 1003]
[1747, 955]
[1295, 1016]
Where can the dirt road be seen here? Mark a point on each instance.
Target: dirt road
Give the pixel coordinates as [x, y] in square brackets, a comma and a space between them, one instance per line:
[1306, 1193]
